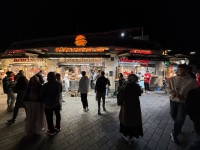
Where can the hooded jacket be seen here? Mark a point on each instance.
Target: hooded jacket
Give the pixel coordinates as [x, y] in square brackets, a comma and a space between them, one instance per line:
[181, 85]
[83, 85]
[8, 85]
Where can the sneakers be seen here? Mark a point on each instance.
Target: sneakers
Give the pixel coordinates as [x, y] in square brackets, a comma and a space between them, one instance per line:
[57, 128]
[50, 133]
[11, 121]
[99, 112]
[175, 139]
[126, 138]
[147, 92]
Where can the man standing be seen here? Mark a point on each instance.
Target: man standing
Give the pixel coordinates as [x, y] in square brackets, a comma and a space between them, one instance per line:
[83, 89]
[39, 75]
[50, 92]
[21, 73]
[178, 88]
[147, 77]
[101, 90]
[8, 87]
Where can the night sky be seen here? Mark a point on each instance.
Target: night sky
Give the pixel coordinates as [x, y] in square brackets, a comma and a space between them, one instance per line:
[174, 24]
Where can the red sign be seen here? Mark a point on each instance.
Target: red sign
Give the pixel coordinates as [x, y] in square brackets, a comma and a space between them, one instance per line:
[135, 61]
[145, 52]
[28, 60]
[15, 51]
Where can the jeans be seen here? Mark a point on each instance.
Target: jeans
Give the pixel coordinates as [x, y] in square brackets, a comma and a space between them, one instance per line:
[15, 112]
[99, 96]
[146, 86]
[178, 114]
[84, 100]
[107, 90]
[49, 117]
[10, 100]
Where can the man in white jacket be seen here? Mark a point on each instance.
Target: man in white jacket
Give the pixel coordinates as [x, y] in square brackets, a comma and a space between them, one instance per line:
[83, 89]
[178, 88]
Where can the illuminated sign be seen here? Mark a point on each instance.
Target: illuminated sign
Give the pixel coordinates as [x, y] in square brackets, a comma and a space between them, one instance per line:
[135, 61]
[80, 50]
[80, 59]
[28, 60]
[80, 40]
[145, 52]
[15, 51]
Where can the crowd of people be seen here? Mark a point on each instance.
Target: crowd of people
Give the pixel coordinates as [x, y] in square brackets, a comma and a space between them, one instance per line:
[41, 99]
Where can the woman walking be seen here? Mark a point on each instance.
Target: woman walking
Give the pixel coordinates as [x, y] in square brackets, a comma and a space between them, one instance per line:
[130, 112]
[21, 86]
[35, 118]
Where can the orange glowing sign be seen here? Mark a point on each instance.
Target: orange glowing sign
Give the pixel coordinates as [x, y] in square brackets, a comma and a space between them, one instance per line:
[80, 40]
[146, 52]
[81, 50]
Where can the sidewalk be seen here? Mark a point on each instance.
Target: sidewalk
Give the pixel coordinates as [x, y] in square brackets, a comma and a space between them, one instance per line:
[89, 131]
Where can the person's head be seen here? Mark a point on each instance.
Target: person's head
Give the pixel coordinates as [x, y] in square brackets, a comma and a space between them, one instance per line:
[102, 73]
[131, 72]
[83, 73]
[9, 73]
[120, 75]
[147, 71]
[106, 74]
[99, 71]
[58, 76]
[51, 76]
[182, 69]
[132, 78]
[21, 72]
[197, 74]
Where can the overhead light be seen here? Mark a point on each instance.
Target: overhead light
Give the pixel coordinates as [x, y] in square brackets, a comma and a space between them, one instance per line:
[192, 52]
[169, 50]
[122, 34]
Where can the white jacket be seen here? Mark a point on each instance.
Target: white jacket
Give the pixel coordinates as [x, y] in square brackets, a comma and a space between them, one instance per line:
[84, 85]
[182, 85]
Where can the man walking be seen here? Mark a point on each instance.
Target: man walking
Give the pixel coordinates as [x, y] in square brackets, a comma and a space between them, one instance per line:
[8, 87]
[50, 92]
[21, 73]
[83, 89]
[178, 88]
[100, 89]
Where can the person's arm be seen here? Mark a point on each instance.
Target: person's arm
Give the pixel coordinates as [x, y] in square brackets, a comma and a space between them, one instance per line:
[169, 88]
[108, 82]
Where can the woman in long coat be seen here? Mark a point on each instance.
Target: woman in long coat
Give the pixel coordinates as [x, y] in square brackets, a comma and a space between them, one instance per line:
[130, 113]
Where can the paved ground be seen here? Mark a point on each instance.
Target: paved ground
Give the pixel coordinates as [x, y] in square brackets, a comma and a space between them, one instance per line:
[89, 131]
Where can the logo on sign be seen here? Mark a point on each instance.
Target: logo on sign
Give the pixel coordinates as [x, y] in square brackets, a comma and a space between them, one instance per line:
[80, 40]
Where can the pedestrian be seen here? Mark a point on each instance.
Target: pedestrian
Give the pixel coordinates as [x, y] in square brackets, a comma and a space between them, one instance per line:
[107, 86]
[58, 78]
[193, 111]
[130, 113]
[8, 87]
[66, 80]
[101, 90]
[21, 86]
[147, 77]
[178, 87]
[95, 77]
[35, 118]
[120, 82]
[84, 89]
[50, 92]
[39, 75]
[21, 73]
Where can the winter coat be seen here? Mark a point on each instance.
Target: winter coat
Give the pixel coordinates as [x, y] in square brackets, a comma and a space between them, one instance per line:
[8, 85]
[50, 92]
[130, 112]
[84, 85]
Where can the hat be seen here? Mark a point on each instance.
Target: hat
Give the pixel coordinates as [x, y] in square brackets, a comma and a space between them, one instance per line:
[9, 72]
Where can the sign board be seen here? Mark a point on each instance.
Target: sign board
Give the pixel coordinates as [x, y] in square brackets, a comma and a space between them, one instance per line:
[27, 60]
[80, 40]
[14, 51]
[135, 61]
[145, 52]
[81, 50]
[80, 60]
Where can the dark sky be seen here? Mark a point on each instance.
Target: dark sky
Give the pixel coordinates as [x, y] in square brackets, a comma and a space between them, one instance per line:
[174, 24]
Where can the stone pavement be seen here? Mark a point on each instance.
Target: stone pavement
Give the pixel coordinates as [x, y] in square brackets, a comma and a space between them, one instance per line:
[89, 131]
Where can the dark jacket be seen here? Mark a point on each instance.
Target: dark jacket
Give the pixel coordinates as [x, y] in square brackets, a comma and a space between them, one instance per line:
[130, 113]
[8, 85]
[101, 84]
[50, 92]
[17, 77]
[40, 78]
[120, 83]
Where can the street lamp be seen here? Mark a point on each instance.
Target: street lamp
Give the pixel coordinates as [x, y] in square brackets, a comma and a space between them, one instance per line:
[122, 34]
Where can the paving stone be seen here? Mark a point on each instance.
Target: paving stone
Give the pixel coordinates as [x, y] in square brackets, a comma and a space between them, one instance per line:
[94, 147]
[151, 144]
[104, 147]
[162, 145]
[84, 140]
[102, 141]
[111, 142]
[141, 144]
[155, 137]
[83, 147]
